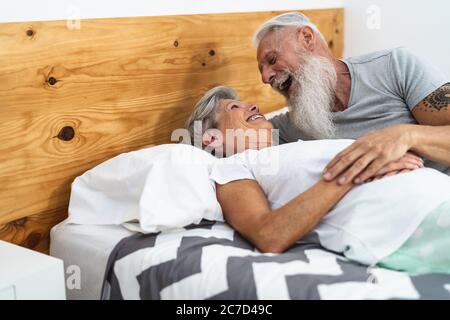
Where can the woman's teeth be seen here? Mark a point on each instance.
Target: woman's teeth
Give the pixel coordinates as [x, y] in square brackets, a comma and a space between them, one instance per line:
[255, 117]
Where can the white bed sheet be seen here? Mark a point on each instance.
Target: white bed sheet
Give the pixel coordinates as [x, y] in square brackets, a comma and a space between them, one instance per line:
[88, 247]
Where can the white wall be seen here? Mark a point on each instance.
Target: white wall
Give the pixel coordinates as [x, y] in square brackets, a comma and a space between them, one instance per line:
[32, 10]
[423, 26]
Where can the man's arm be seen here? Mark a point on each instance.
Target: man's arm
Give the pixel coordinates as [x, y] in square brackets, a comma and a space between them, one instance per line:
[431, 139]
[246, 209]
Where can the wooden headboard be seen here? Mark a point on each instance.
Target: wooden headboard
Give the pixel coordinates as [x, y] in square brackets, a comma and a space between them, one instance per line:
[72, 96]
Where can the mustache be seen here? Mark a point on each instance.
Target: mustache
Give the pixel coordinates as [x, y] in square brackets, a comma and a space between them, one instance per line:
[280, 79]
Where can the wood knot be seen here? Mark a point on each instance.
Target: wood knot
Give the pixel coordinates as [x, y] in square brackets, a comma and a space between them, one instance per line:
[66, 133]
[331, 44]
[20, 222]
[32, 240]
[203, 64]
[212, 52]
[175, 43]
[30, 32]
[52, 81]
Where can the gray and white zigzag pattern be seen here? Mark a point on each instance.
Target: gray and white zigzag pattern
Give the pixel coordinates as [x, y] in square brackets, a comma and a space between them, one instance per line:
[211, 261]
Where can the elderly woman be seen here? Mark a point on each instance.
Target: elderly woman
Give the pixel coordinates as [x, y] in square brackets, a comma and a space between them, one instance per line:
[274, 195]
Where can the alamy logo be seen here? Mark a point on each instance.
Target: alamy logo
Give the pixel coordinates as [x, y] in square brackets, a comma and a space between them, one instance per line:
[234, 141]
[73, 277]
[73, 21]
[373, 21]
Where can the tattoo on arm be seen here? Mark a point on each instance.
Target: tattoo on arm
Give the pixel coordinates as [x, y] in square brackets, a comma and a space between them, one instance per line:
[438, 100]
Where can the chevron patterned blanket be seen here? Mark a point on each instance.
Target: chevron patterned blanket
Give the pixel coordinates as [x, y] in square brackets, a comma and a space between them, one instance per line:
[212, 261]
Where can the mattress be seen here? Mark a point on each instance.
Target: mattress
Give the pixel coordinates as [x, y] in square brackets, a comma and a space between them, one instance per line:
[85, 250]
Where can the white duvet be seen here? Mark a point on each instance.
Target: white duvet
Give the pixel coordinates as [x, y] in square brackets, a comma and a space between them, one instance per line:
[369, 223]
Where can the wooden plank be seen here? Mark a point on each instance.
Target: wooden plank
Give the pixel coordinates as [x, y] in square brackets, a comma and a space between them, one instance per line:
[70, 99]
[33, 231]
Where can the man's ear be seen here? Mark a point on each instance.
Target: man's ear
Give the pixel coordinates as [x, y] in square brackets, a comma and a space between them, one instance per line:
[307, 36]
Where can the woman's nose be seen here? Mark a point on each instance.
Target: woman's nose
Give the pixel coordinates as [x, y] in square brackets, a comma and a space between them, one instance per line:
[254, 108]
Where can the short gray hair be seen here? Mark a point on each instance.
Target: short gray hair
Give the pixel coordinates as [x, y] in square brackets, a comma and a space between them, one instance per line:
[291, 19]
[205, 109]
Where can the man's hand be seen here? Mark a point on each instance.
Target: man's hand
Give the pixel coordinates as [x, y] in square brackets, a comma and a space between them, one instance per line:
[373, 155]
[407, 163]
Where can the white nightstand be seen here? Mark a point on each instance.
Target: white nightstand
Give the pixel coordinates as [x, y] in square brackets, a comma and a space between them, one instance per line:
[27, 274]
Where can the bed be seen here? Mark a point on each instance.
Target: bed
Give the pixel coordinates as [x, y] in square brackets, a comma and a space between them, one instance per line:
[211, 261]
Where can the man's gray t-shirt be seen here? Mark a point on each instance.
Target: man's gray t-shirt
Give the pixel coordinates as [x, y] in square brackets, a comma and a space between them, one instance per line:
[386, 86]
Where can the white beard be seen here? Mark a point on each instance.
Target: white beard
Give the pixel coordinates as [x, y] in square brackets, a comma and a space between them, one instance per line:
[312, 97]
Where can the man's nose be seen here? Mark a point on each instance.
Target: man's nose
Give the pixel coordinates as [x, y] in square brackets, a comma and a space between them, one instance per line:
[268, 75]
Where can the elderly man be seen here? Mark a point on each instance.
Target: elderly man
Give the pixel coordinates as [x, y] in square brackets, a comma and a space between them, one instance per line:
[390, 101]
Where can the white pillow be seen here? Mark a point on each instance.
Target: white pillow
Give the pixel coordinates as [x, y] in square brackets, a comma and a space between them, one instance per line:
[161, 187]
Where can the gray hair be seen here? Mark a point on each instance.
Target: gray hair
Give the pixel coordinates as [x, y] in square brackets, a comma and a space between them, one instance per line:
[205, 109]
[291, 19]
